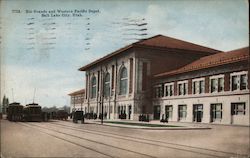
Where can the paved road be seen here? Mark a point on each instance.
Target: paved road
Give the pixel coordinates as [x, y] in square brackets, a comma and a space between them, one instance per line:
[65, 139]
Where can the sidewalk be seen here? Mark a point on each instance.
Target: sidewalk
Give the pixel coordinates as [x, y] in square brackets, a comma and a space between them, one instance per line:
[152, 125]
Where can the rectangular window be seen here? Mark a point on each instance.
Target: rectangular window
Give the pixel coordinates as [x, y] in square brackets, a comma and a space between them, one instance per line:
[166, 90]
[171, 90]
[168, 111]
[180, 89]
[213, 85]
[202, 87]
[216, 112]
[243, 82]
[238, 108]
[198, 87]
[194, 87]
[220, 84]
[185, 88]
[217, 84]
[234, 83]
[182, 111]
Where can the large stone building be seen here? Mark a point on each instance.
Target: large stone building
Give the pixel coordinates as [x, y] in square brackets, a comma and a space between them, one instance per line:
[138, 78]
[77, 100]
[213, 89]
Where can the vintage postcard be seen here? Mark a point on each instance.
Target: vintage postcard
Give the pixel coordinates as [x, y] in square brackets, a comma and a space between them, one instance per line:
[116, 78]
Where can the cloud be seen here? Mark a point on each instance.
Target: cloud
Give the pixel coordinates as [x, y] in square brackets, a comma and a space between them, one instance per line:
[54, 73]
[49, 84]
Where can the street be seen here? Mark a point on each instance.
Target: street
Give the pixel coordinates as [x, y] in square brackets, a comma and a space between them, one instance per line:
[66, 139]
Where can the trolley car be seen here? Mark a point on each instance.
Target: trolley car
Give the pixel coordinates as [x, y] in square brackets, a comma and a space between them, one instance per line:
[32, 112]
[14, 112]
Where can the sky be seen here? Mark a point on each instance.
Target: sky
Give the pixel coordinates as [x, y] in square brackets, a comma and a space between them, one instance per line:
[44, 43]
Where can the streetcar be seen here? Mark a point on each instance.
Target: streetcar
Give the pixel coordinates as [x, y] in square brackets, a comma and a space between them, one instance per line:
[32, 112]
[14, 112]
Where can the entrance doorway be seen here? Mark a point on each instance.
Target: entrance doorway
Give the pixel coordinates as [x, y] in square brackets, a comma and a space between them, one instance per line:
[157, 112]
[197, 112]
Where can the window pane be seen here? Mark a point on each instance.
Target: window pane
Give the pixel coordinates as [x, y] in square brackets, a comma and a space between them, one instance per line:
[107, 85]
[218, 115]
[171, 90]
[234, 83]
[202, 87]
[123, 86]
[182, 111]
[166, 90]
[194, 87]
[243, 82]
[180, 89]
[220, 84]
[238, 108]
[213, 85]
[184, 88]
[216, 111]
[197, 87]
[93, 87]
[123, 81]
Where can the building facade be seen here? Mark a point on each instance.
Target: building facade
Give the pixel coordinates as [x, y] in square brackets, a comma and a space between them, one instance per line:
[213, 89]
[165, 77]
[77, 100]
[120, 83]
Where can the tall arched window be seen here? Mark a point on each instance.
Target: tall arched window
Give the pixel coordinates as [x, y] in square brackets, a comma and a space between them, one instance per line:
[123, 81]
[107, 85]
[93, 87]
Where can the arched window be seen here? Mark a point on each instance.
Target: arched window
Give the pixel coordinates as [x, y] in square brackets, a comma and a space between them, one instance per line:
[93, 87]
[107, 85]
[123, 81]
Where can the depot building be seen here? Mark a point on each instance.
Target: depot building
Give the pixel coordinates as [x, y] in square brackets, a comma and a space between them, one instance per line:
[169, 78]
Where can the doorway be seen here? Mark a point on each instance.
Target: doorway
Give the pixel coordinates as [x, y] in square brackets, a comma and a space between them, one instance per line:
[197, 112]
[157, 112]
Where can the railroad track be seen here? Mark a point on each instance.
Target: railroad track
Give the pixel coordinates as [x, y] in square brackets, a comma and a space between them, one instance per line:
[59, 128]
[41, 129]
[181, 147]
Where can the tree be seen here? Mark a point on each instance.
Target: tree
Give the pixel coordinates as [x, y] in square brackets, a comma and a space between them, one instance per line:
[5, 104]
